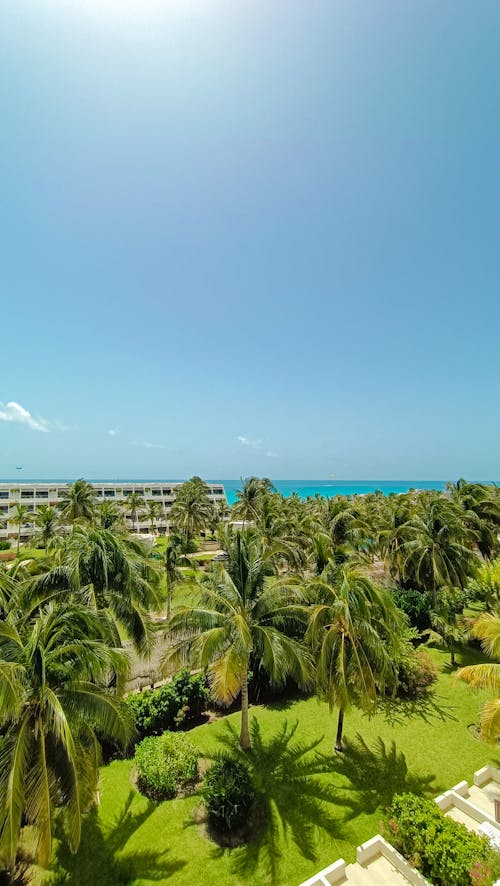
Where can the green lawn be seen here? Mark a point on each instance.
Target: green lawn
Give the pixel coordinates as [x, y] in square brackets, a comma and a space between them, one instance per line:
[423, 747]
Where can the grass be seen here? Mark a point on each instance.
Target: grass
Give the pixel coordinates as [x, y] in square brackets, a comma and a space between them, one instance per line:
[421, 746]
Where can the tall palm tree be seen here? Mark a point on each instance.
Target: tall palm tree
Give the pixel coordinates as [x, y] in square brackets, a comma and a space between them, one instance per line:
[47, 525]
[113, 574]
[134, 505]
[480, 508]
[249, 497]
[78, 502]
[109, 515]
[218, 512]
[354, 630]
[487, 676]
[243, 619]
[18, 516]
[54, 665]
[153, 511]
[190, 512]
[448, 627]
[435, 546]
[173, 575]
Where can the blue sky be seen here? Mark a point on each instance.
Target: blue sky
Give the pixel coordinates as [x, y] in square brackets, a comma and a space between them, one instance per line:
[250, 237]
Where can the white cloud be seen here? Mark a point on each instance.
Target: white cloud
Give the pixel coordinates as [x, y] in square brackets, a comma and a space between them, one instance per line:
[146, 444]
[15, 412]
[112, 432]
[271, 454]
[254, 444]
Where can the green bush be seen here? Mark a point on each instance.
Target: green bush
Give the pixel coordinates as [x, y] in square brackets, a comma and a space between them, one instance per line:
[442, 849]
[416, 673]
[166, 764]
[416, 604]
[228, 793]
[175, 704]
[4, 544]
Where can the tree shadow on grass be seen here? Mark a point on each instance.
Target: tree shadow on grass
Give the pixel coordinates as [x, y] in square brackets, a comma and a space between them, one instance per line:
[428, 708]
[293, 801]
[98, 859]
[375, 774]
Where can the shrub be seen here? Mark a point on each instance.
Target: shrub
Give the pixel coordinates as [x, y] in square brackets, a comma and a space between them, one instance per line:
[416, 604]
[442, 849]
[228, 793]
[166, 764]
[175, 704]
[4, 544]
[416, 673]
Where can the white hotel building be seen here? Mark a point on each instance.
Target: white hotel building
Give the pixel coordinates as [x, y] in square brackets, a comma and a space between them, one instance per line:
[32, 495]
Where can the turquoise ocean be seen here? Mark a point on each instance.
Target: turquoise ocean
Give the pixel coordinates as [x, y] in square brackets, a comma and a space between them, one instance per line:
[329, 488]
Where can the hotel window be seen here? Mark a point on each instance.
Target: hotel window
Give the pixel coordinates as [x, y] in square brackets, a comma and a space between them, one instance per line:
[156, 491]
[109, 493]
[40, 493]
[98, 492]
[167, 492]
[27, 493]
[128, 491]
[4, 493]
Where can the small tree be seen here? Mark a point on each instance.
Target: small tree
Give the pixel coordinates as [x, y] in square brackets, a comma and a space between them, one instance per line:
[18, 517]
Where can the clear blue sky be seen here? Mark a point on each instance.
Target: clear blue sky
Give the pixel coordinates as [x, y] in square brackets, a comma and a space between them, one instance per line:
[250, 237]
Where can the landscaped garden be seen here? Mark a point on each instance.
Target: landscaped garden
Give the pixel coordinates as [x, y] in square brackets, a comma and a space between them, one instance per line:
[305, 680]
[421, 746]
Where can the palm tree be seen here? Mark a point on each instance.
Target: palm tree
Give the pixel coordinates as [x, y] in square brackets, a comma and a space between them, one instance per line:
[218, 511]
[249, 498]
[190, 511]
[480, 511]
[486, 676]
[18, 517]
[134, 504]
[447, 622]
[109, 515]
[51, 714]
[435, 546]
[78, 502]
[48, 526]
[153, 511]
[173, 575]
[354, 631]
[243, 619]
[113, 574]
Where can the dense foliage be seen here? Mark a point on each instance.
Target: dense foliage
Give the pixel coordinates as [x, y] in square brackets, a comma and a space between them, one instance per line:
[228, 793]
[441, 848]
[166, 765]
[173, 705]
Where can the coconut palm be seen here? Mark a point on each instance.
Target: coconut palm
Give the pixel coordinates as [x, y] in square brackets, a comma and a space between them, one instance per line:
[173, 575]
[113, 574]
[480, 508]
[54, 708]
[153, 511]
[354, 632]
[486, 676]
[78, 502]
[448, 628]
[249, 497]
[19, 516]
[109, 515]
[218, 512]
[134, 505]
[243, 619]
[191, 509]
[435, 546]
[48, 526]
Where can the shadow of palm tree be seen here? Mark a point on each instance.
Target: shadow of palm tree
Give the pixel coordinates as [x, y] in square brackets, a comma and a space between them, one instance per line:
[292, 800]
[106, 866]
[428, 708]
[375, 775]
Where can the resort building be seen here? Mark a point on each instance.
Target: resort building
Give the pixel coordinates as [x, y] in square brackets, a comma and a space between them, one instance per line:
[32, 495]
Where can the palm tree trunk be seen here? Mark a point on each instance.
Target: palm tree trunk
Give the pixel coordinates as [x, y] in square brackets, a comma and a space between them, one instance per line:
[18, 539]
[340, 726]
[245, 743]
